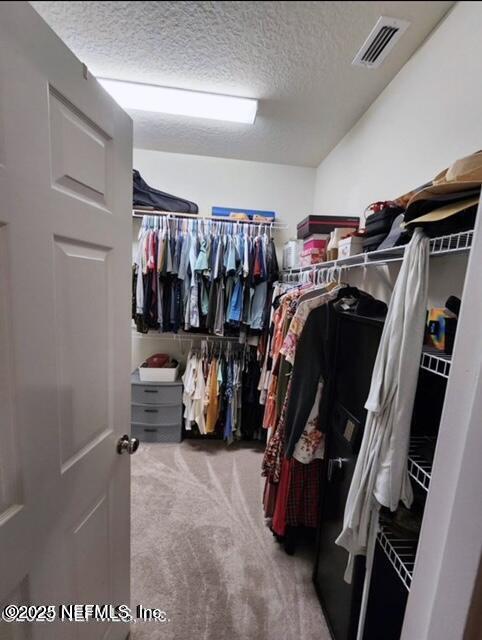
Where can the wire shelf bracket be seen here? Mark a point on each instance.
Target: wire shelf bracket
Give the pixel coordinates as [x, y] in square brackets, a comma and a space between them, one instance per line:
[435, 362]
[401, 553]
[419, 468]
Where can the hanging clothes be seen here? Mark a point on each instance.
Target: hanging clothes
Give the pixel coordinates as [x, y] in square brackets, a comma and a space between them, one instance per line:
[212, 397]
[212, 277]
[381, 476]
[296, 372]
[215, 385]
[293, 485]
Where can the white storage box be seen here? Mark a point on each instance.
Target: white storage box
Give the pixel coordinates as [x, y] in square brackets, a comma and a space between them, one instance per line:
[350, 246]
[291, 254]
[159, 374]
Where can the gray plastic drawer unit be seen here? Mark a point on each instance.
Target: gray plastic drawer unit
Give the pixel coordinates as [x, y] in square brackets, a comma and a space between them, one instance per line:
[157, 393]
[156, 410]
[151, 433]
[154, 414]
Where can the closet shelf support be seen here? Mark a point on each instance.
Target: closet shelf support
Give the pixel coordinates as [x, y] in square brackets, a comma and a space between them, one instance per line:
[419, 468]
[401, 553]
[436, 362]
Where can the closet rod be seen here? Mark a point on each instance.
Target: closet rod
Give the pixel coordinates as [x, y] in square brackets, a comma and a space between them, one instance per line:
[140, 213]
[169, 335]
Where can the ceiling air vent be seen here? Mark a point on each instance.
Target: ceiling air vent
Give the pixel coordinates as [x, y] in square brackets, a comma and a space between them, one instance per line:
[383, 37]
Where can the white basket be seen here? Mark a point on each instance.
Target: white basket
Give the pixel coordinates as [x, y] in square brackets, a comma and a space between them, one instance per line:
[291, 254]
[158, 374]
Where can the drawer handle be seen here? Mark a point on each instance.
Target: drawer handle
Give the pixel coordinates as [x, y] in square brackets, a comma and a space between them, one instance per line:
[151, 391]
[150, 430]
[151, 410]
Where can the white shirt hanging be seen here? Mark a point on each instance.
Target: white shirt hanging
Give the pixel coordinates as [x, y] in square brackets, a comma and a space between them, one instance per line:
[380, 476]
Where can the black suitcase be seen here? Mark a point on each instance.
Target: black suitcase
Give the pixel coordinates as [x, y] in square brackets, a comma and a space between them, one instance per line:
[146, 196]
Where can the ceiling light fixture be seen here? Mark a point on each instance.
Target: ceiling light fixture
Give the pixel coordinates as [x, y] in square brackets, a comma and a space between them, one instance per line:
[181, 102]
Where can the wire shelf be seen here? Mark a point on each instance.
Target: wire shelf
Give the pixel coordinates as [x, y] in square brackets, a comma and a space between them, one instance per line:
[401, 553]
[436, 362]
[419, 468]
[451, 243]
[443, 245]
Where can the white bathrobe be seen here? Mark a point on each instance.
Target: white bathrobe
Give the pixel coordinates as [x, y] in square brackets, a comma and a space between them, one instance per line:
[380, 476]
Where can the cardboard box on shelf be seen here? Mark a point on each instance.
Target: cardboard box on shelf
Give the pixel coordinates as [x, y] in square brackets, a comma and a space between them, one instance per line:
[350, 246]
[325, 224]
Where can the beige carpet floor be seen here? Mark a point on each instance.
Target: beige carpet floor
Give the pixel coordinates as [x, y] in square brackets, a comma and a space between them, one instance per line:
[201, 551]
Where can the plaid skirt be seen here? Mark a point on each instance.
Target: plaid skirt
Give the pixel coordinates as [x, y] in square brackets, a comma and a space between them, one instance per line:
[298, 495]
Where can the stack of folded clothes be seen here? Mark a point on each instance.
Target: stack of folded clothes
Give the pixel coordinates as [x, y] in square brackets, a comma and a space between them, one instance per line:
[379, 224]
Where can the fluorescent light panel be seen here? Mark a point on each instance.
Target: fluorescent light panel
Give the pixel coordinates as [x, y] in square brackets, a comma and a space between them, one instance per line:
[181, 102]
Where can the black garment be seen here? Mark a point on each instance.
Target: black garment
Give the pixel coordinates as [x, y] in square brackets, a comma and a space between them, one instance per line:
[133, 297]
[213, 295]
[462, 221]
[272, 262]
[166, 301]
[371, 243]
[145, 196]
[435, 201]
[176, 292]
[252, 412]
[362, 304]
[313, 357]
[381, 221]
[314, 360]
[150, 300]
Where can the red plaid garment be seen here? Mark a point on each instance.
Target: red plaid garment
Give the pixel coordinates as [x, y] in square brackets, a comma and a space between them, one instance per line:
[304, 494]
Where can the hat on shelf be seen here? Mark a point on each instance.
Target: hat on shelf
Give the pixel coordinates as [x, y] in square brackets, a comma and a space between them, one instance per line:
[440, 213]
[464, 174]
[461, 181]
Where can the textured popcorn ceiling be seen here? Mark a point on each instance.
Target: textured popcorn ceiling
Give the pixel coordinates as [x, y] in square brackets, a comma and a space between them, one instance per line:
[293, 56]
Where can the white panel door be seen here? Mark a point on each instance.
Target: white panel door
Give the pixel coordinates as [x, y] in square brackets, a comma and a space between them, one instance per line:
[65, 235]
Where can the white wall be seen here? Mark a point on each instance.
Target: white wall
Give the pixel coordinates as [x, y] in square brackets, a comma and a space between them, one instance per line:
[429, 115]
[211, 181]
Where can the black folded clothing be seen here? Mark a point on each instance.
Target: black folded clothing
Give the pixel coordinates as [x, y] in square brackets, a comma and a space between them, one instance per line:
[426, 205]
[378, 226]
[381, 221]
[463, 221]
[371, 243]
[404, 523]
[146, 196]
